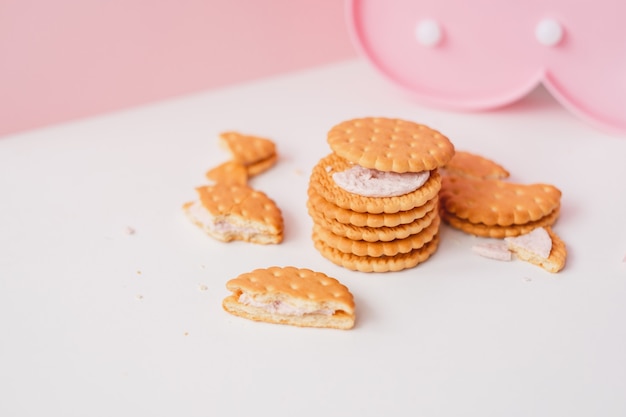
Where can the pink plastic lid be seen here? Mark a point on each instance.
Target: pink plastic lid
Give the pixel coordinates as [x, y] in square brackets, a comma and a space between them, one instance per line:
[484, 54]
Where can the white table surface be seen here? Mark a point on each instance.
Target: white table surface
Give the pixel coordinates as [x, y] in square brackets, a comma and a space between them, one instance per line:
[96, 321]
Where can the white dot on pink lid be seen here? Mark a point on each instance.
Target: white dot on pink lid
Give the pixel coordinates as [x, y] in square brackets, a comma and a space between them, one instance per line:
[428, 32]
[549, 32]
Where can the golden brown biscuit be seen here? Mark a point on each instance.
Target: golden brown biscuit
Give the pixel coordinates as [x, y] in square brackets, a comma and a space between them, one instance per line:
[495, 202]
[257, 154]
[371, 234]
[390, 144]
[230, 172]
[495, 231]
[236, 212]
[554, 262]
[376, 249]
[467, 164]
[289, 295]
[261, 166]
[322, 183]
[354, 218]
[380, 263]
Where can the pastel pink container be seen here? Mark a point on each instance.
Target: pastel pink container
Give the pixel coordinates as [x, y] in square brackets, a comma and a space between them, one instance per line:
[483, 54]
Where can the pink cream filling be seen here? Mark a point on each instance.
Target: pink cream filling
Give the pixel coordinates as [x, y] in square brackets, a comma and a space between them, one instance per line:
[537, 241]
[374, 183]
[281, 307]
[224, 227]
[493, 250]
[219, 225]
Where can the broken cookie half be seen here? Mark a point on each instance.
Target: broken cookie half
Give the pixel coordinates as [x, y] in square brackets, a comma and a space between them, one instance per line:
[541, 247]
[230, 212]
[293, 296]
[255, 153]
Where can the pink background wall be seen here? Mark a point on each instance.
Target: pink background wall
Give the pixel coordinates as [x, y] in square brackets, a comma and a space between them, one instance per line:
[65, 59]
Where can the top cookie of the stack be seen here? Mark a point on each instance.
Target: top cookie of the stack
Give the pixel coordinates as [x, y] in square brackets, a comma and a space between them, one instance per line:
[390, 144]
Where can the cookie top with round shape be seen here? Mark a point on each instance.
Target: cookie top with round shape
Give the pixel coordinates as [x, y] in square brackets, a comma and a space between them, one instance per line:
[388, 144]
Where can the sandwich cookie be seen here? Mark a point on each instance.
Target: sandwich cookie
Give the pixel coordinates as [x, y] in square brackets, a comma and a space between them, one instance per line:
[294, 296]
[236, 212]
[374, 199]
[496, 208]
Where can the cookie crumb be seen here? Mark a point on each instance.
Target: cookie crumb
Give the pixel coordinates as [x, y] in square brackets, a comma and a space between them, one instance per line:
[139, 297]
[202, 287]
[186, 334]
[130, 231]
[139, 272]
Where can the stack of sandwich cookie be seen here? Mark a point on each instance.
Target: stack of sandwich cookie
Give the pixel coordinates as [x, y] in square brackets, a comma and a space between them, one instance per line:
[374, 199]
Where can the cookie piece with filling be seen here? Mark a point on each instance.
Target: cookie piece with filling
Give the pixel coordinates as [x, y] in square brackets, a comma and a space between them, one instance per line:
[541, 247]
[496, 231]
[236, 212]
[289, 295]
[495, 202]
[323, 184]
